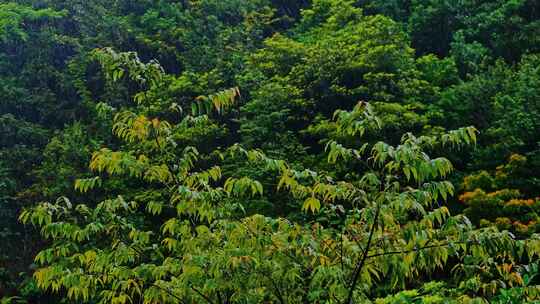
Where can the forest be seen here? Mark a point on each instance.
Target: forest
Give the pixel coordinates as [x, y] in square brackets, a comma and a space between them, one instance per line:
[269, 151]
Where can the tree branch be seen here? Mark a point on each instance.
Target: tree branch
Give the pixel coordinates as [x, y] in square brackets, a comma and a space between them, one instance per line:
[202, 295]
[169, 293]
[360, 264]
[418, 249]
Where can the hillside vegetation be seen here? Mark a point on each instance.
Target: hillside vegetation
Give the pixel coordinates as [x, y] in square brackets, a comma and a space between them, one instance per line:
[269, 151]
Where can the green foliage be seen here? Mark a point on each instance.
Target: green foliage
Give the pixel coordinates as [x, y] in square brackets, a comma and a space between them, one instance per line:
[333, 58]
[269, 151]
[14, 17]
[183, 236]
[504, 27]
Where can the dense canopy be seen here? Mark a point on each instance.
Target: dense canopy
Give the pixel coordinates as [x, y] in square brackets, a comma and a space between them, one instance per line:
[265, 151]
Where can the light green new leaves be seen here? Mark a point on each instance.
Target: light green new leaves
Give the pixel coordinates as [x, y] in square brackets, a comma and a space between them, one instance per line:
[311, 204]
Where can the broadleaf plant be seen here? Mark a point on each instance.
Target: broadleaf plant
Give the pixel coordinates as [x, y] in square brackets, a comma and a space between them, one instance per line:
[182, 234]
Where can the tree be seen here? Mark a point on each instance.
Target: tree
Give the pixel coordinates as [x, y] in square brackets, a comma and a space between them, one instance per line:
[334, 57]
[181, 236]
[290, 222]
